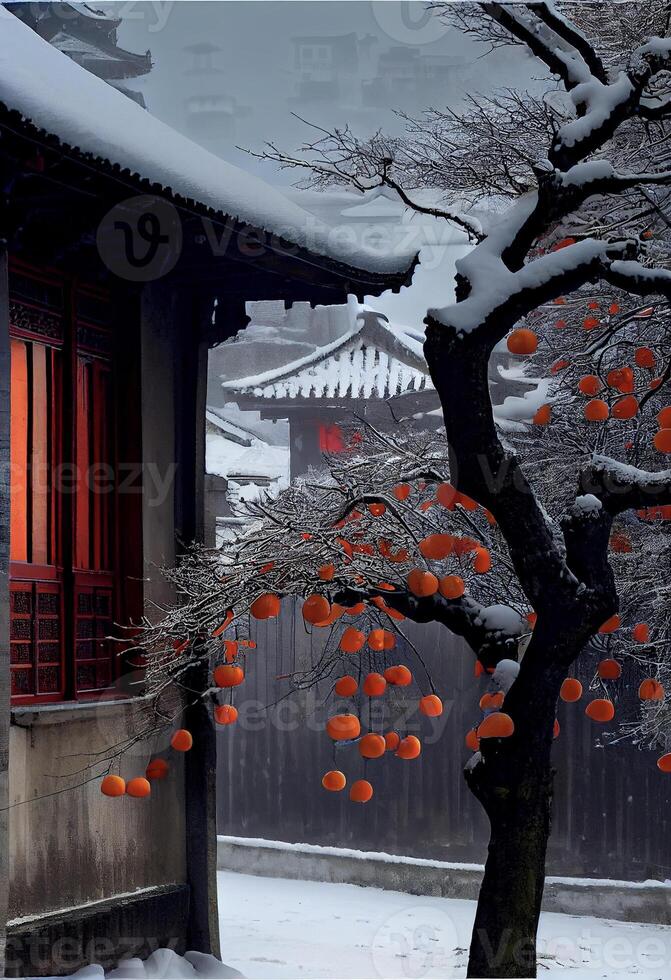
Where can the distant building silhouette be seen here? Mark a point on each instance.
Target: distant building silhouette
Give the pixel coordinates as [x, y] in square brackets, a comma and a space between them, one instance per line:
[211, 113]
[328, 66]
[87, 36]
[409, 75]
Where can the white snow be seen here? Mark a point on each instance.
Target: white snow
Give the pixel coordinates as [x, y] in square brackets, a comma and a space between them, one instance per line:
[505, 674]
[626, 473]
[658, 46]
[583, 173]
[587, 503]
[635, 270]
[600, 101]
[277, 928]
[492, 282]
[65, 100]
[514, 371]
[281, 929]
[516, 408]
[501, 619]
[257, 381]
[347, 852]
[229, 459]
[162, 964]
[371, 358]
[490, 279]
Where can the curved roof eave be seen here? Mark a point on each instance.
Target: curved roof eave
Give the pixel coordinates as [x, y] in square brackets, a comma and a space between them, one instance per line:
[64, 106]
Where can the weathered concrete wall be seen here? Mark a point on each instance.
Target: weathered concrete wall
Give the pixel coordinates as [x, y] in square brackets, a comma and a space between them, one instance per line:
[631, 901]
[69, 845]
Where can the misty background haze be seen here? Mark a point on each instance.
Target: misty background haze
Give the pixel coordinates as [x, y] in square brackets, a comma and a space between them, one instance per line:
[231, 74]
[234, 75]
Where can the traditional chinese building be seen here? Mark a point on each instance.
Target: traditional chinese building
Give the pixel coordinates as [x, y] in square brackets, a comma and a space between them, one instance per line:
[89, 37]
[328, 66]
[407, 75]
[245, 459]
[372, 371]
[125, 252]
[210, 112]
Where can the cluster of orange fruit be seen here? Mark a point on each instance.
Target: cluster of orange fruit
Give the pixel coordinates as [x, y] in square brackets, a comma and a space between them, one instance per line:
[347, 727]
[229, 674]
[620, 379]
[157, 768]
[602, 709]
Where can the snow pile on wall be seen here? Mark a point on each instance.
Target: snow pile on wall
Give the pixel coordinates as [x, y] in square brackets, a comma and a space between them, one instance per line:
[164, 964]
[228, 459]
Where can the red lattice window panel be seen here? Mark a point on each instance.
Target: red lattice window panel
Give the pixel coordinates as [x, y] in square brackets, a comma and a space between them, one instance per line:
[94, 650]
[36, 640]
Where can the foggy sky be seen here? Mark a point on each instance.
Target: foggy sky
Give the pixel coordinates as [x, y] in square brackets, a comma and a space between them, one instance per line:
[256, 68]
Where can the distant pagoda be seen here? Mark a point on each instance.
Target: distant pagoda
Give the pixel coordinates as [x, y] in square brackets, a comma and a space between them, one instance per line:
[89, 37]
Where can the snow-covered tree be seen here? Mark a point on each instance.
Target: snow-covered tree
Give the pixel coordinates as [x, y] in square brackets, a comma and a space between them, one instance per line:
[585, 222]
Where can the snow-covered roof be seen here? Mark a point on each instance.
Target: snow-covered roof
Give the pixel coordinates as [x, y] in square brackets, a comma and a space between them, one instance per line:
[228, 429]
[235, 462]
[86, 10]
[373, 359]
[63, 100]
[376, 204]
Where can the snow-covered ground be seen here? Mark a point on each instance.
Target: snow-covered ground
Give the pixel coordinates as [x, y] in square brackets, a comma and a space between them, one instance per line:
[277, 928]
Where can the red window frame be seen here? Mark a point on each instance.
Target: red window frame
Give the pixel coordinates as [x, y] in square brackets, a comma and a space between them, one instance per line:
[63, 594]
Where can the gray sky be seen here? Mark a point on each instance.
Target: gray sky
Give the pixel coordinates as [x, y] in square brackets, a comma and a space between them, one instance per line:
[255, 82]
[255, 66]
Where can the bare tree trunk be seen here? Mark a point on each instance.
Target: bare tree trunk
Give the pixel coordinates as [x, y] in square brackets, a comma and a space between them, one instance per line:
[513, 780]
[503, 943]
[514, 785]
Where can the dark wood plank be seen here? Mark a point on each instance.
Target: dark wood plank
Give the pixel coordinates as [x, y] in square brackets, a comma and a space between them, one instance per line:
[270, 779]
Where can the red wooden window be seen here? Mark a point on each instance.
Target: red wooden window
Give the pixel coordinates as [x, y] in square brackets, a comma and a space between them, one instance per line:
[62, 540]
[94, 501]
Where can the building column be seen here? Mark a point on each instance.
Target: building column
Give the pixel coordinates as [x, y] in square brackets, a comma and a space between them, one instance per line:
[174, 380]
[5, 375]
[190, 401]
[200, 764]
[200, 785]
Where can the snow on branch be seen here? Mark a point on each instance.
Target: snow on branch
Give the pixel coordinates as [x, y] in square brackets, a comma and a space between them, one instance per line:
[603, 107]
[639, 279]
[567, 31]
[620, 487]
[545, 43]
[600, 177]
[498, 296]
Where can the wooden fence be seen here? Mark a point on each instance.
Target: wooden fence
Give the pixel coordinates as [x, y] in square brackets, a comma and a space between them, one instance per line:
[612, 810]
